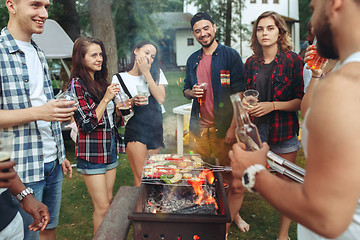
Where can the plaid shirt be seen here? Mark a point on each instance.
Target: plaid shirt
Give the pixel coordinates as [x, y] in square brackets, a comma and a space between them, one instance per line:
[93, 143]
[287, 84]
[15, 94]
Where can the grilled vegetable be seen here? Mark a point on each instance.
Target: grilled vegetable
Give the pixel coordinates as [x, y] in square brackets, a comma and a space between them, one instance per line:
[177, 177]
[167, 178]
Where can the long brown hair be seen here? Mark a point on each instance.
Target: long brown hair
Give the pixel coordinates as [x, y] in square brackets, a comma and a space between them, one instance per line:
[284, 41]
[155, 68]
[80, 71]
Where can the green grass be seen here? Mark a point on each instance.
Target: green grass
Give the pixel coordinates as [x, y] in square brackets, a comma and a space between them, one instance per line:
[76, 207]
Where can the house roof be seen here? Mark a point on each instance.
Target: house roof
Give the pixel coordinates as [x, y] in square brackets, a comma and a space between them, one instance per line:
[172, 20]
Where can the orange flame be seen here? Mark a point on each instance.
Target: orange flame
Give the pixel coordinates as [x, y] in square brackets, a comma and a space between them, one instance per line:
[210, 177]
[197, 185]
[154, 211]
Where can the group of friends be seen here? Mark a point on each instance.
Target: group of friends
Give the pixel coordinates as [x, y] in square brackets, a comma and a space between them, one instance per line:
[326, 205]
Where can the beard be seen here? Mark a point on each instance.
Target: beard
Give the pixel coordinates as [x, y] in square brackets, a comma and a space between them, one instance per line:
[325, 40]
[209, 44]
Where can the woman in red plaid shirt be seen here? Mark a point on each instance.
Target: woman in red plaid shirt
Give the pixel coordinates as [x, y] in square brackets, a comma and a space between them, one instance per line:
[276, 73]
[96, 116]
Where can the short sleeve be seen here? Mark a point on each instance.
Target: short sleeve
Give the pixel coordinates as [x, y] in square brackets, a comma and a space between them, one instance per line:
[162, 79]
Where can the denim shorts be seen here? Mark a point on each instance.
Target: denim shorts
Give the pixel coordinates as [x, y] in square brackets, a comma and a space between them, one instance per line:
[48, 191]
[287, 146]
[88, 168]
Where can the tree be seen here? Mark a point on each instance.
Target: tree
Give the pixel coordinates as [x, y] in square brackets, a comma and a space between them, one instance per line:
[135, 23]
[228, 23]
[103, 28]
[4, 15]
[227, 16]
[64, 12]
[304, 15]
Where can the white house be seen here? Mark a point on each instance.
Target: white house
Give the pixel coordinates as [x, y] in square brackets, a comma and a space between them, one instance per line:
[179, 42]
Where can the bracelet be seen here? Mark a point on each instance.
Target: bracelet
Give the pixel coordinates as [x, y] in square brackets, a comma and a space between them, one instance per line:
[316, 77]
[273, 105]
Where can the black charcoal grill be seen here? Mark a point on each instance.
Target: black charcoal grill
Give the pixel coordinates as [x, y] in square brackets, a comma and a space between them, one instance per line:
[190, 221]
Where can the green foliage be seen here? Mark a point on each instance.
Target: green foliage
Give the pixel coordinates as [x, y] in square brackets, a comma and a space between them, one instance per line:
[304, 15]
[4, 15]
[133, 22]
[217, 10]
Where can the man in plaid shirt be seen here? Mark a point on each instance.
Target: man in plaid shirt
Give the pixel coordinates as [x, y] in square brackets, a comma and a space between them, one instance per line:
[28, 110]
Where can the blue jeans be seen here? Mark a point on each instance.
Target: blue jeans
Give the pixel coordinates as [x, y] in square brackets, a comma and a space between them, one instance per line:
[287, 146]
[48, 191]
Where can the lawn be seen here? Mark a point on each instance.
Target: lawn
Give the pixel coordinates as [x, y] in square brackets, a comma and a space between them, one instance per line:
[76, 208]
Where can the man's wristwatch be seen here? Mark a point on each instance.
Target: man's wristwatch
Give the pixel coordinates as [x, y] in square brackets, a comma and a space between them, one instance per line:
[24, 193]
[248, 178]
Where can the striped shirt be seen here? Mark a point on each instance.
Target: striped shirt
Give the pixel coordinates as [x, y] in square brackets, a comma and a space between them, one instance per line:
[14, 95]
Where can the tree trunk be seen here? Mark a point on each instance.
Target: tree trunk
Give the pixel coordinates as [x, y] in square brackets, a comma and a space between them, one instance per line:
[228, 23]
[103, 28]
[69, 18]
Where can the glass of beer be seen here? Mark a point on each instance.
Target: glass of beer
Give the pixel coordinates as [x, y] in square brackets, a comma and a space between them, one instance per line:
[250, 98]
[316, 62]
[6, 146]
[203, 86]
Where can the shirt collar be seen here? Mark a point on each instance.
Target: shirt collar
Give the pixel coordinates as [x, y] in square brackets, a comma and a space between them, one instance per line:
[214, 53]
[10, 41]
[278, 57]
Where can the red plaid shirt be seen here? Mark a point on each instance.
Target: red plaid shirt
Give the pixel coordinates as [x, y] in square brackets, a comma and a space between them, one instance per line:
[287, 84]
[93, 142]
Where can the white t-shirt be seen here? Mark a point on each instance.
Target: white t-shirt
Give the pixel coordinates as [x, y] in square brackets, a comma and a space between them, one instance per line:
[132, 81]
[307, 74]
[38, 98]
[110, 107]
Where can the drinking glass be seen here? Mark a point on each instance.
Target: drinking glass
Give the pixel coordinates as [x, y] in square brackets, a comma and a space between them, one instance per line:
[122, 100]
[67, 96]
[251, 97]
[316, 62]
[6, 147]
[143, 90]
[203, 86]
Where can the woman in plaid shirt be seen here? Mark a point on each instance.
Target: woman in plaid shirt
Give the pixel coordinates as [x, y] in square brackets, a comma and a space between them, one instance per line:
[276, 73]
[95, 150]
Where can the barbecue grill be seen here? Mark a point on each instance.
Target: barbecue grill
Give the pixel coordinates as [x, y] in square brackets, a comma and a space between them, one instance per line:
[183, 221]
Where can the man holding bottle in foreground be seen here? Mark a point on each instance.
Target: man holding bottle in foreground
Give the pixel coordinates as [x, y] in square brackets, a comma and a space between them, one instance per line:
[327, 204]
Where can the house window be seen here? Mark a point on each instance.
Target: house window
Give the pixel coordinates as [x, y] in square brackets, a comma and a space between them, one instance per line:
[190, 42]
[264, 1]
[276, 1]
[252, 1]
